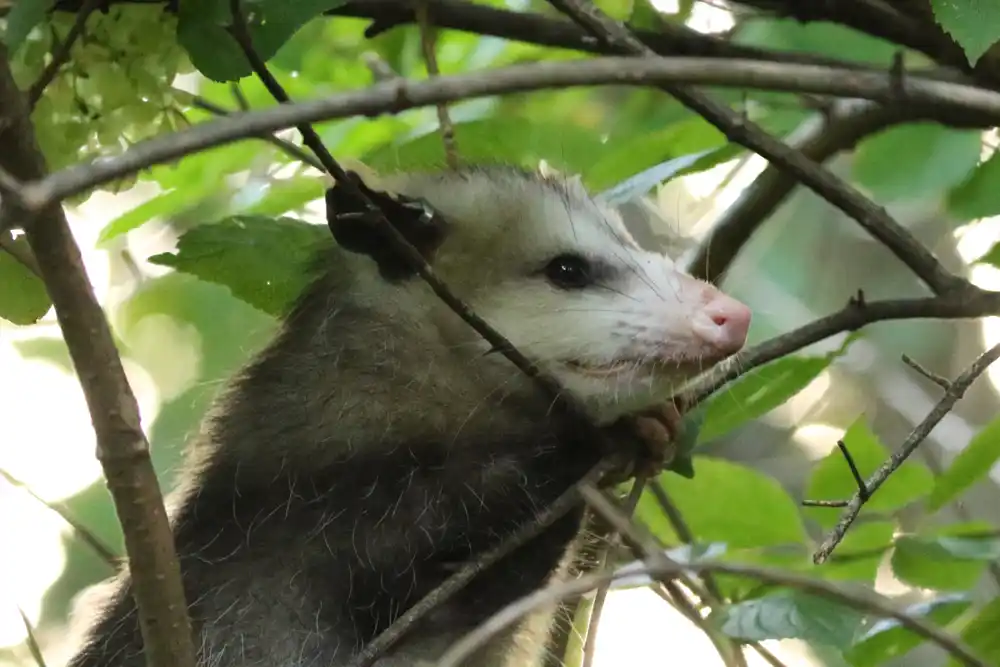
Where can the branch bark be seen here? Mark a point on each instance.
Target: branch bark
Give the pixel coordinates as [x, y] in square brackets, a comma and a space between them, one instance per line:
[121, 445]
[981, 106]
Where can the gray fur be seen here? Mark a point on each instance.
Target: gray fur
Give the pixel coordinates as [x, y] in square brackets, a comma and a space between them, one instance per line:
[370, 447]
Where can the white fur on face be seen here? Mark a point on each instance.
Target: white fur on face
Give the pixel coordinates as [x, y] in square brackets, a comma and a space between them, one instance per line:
[624, 343]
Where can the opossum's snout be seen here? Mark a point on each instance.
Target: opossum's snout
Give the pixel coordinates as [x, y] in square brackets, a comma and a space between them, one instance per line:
[721, 324]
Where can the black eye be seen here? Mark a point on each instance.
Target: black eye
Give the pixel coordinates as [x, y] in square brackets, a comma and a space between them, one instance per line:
[569, 272]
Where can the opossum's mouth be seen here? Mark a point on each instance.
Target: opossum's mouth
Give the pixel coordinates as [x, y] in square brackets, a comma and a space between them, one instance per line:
[636, 366]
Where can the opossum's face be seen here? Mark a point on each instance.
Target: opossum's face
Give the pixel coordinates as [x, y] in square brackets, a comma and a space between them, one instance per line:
[560, 277]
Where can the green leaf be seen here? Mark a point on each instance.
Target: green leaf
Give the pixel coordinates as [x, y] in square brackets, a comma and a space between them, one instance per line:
[288, 194]
[887, 639]
[978, 196]
[974, 24]
[708, 500]
[639, 185]
[859, 555]
[915, 160]
[792, 614]
[684, 443]
[162, 205]
[514, 141]
[628, 155]
[757, 393]
[832, 478]
[265, 262]
[970, 466]
[815, 38]
[981, 635]
[22, 19]
[23, 298]
[203, 31]
[943, 562]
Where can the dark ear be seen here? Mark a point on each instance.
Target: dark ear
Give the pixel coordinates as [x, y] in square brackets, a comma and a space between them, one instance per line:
[354, 229]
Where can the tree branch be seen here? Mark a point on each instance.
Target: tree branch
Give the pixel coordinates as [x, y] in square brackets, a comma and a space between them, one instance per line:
[874, 219]
[916, 437]
[62, 52]
[771, 188]
[969, 304]
[121, 444]
[395, 96]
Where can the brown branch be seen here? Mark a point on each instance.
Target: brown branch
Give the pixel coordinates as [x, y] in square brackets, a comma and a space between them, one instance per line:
[874, 219]
[286, 146]
[396, 96]
[61, 54]
[427, 43]
[21, 252]
[772, 187]
[121, 445]
[920, 432]
[971, 303]
[391, 635]
[665, 568]
[601, 596]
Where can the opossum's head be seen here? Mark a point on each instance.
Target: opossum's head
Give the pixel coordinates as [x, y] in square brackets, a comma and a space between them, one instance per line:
[560, 277]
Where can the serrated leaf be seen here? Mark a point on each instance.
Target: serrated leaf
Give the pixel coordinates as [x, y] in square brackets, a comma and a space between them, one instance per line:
[791, 614]
[970, 466]
[515, 141]
[981, 635]
[23, 298]
[263, 261]
[706, 502]
[942, 563]
[887, 639]
[22, 19]
[973, 24]
[202, 29]
[832, 478]
[978, 196]
[915, 160]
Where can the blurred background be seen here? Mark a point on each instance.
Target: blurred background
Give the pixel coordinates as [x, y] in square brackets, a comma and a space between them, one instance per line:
[181, 337]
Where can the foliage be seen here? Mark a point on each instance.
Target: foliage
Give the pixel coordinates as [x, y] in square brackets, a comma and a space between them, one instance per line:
[241, 239]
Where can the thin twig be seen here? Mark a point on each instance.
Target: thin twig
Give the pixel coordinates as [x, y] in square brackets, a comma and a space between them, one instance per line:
[287, 146]
[122, 448]
[863, 490]
[916, 437]
[456, 582]
[972, 304]
[983, 106]
[61, 54]
[869, 604]
[105, 552]
[601, 596]
[942, 382]
[429, 47]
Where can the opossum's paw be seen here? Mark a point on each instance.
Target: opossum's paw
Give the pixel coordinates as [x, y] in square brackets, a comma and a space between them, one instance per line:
[658, 429]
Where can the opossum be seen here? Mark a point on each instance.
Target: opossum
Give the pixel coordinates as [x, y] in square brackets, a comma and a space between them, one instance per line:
[376, 441]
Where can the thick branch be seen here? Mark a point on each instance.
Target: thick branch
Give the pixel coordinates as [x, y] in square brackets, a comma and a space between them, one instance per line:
[395, 96]
[874, 219]
[121, 445]
[773, 186]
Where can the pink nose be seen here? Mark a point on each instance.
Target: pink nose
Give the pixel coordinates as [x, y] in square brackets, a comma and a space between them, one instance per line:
[723, 323]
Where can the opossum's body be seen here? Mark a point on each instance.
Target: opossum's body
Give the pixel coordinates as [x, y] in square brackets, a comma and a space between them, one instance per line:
[373, 445]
